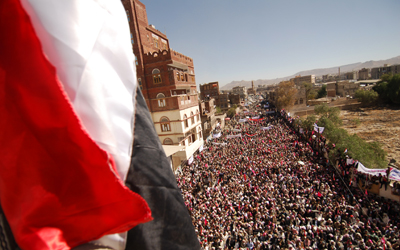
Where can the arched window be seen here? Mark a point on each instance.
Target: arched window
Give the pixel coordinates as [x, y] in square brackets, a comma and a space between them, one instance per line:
[198, 115]
[192, 117]
[168, 141]
[161, 100]
[185, 121]
[165, 124]
[156, 76]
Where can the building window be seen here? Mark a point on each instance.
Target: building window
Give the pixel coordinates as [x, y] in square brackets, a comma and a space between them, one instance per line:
[182, 77]
[177, 76]
[161, 100]
[132, 41]
[155, 42]
[198, 115]
[168, 141]
[192, 117]
[140, 83]
[156, 76]
[136, 61]
[165, 124]
[185, 121]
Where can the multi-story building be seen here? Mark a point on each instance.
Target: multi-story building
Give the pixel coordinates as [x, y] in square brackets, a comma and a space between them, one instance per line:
[241, 90]
[302, 79]
[209, 90]
[208, 119]
[234, 99]
[343, 88]
[378, 72]
[364, 74]
[351, 75]
[167, 81]
[223, 102]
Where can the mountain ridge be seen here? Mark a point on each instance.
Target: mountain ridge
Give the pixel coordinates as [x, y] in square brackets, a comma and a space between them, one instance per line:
[317, 72]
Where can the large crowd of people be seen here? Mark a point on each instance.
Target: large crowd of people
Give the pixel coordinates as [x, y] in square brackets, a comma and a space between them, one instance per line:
[261, 186]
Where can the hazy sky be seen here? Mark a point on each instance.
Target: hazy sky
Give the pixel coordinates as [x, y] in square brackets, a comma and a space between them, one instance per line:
[264, 39]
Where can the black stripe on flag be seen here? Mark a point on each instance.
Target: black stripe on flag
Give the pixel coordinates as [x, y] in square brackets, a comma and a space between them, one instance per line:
[151, 176]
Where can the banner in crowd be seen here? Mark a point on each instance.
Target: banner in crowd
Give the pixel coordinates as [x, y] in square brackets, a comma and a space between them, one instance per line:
[266, 128]
[242, 120]
[319, 129]
[255, 117]
[301, 130]
[270, 112]
[250, 134]
[217, 135]
[233, 136]
[394, 174]
[376, 172]
[236, 130]
[257, 120]
[219, 144]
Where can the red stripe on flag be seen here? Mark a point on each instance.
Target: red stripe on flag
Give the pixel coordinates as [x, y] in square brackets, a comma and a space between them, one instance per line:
[58, 189]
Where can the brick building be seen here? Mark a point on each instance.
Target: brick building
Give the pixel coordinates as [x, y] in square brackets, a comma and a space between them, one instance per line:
[208, 119]
[234, 99]
[210, 90]
[167, 81]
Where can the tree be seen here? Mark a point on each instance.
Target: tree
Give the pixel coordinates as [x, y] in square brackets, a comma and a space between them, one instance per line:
[286, 94]
[328, 113]
[366, 97]
[370, 154]
[322, 92]
[310, 93]
[231, 112]
[308, 123]
[389, 88]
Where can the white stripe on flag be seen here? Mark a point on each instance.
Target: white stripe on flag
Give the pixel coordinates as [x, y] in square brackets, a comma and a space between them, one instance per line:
[88, 42]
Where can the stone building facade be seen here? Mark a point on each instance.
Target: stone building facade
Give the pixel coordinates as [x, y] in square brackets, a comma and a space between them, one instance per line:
[167, 80]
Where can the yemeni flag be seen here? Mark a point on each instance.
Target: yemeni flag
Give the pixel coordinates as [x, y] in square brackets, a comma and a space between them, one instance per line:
[68, 158]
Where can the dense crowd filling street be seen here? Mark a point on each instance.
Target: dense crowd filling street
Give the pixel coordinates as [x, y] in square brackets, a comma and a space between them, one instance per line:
[261, 186]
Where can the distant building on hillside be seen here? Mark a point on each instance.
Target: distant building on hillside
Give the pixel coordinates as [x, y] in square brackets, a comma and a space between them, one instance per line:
[298, 80]
[364, 74]
[378, 72]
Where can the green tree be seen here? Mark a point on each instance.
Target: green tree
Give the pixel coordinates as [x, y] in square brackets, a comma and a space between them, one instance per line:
[328, 113]
[231, 112]
[366, 97]
[389, 88]
[322, 92]
[370, 154]
[286, 94]
[309, 90]
[308, 123]
[218, 110]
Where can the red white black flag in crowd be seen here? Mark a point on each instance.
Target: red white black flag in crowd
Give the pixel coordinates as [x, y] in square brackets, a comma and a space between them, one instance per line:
[71, 170]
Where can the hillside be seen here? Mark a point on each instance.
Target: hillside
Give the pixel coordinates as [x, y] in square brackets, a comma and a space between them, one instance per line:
[316, 72]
